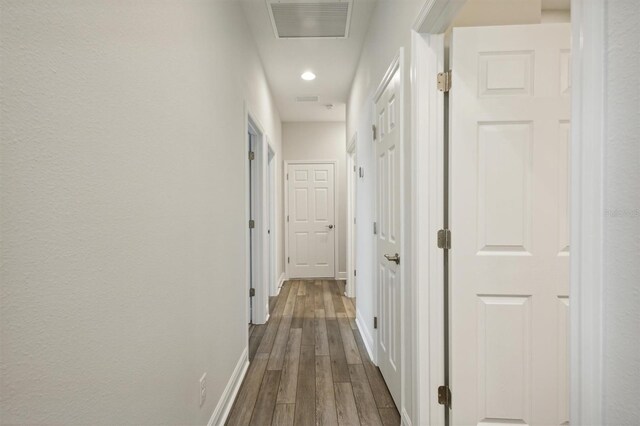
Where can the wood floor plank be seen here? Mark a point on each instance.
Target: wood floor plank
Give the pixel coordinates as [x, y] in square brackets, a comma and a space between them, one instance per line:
[308, 324]
[376, 381]
[282, 300]
[306, 392]
[322, 340]
[254, 343]
[351, 351]
[367, 409]
[325, 397]
[266, 344]
[258, 330]
[291, 300]
[280, 344]
[336, 351]
[346, 405]
[289, 379]
[338, 305]
[298, 312]
[329, 311]
[349, 308]
[283, 415]
[248, 393]
[389, 416]
[317, 294]
[302, 289]
[266, 402]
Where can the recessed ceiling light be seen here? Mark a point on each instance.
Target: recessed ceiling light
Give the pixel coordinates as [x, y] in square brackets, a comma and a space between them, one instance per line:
[308, 75]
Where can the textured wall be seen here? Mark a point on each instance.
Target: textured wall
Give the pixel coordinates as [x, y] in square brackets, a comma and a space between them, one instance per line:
[122, 184]
[622, 215]
[322, 141]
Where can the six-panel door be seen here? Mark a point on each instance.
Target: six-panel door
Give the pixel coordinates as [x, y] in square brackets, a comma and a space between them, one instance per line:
[509, 145]
[388, 233]
[311, 220]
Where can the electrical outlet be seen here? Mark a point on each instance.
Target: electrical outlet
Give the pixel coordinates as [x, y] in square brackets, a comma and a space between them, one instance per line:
[203, 388]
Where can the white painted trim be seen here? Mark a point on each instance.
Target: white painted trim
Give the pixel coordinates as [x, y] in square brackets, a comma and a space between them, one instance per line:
[271, 207]
[342, 276]
[427, 148]
[587, 211]
[221, 412]
[261, 299]
[367, 337]
[351, 213]
[336, 226]
[588, 20]
[396, 65]
[405, 418]
[437, 15]
[281, 281]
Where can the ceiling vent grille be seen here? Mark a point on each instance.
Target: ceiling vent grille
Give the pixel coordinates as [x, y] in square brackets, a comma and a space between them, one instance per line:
[307, 99]
[310, 19]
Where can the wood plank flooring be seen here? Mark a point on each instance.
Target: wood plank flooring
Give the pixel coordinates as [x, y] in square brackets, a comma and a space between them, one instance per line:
[309, 365]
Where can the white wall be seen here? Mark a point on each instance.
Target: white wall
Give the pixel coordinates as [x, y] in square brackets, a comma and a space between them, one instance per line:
[122, 207]
[390, 29]
[322, 141]
[621, 271]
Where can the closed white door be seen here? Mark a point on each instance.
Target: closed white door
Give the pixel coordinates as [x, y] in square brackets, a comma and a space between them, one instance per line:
[509, 281]
[312, 230]
[387, 150]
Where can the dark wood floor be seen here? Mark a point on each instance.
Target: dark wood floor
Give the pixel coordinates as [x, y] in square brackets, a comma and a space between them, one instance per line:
[309, 365]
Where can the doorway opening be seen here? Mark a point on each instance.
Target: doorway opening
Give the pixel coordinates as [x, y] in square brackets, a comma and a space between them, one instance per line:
[310, 223]
[259, 218]
[492, 185]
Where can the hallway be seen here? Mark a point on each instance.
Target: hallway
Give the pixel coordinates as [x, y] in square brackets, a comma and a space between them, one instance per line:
[309, 365]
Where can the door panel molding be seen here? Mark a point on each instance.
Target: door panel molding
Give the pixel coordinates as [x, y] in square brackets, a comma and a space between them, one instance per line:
[336, 228]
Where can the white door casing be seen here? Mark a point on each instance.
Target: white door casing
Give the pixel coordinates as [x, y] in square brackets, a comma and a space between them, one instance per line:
[509, 276]
[311, 220]
[388, 238]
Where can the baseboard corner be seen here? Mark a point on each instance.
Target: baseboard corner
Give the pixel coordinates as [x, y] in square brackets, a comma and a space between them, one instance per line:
[223, 408]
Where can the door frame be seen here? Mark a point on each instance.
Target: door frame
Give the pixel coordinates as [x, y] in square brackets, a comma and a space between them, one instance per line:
[256, 267]
[587, 213]
[396, 65]
[272, 222]
[336, 226]
[352, 155]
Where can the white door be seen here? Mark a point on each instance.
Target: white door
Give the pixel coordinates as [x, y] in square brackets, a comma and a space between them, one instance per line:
[388, 233]
[311, 220]
[509, 220]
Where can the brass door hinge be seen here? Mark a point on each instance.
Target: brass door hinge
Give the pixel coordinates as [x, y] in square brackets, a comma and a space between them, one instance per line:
[252, 224]
[444, 239]
[444, 396]
[252, 155]
[444, 81]
[252, 292]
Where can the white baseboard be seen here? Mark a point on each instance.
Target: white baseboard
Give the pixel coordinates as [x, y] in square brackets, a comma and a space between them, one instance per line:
[281, 281]
[367, 338]
[341, 276]
[225, 402]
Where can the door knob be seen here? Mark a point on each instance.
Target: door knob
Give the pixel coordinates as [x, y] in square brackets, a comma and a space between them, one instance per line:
[330, 226]
[393, 258]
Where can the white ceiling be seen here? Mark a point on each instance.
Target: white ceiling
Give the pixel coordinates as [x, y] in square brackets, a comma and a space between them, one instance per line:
[332, 60]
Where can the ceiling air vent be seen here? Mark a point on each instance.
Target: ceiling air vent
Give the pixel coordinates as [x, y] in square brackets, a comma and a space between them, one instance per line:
[310, 19]
[307, 99]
